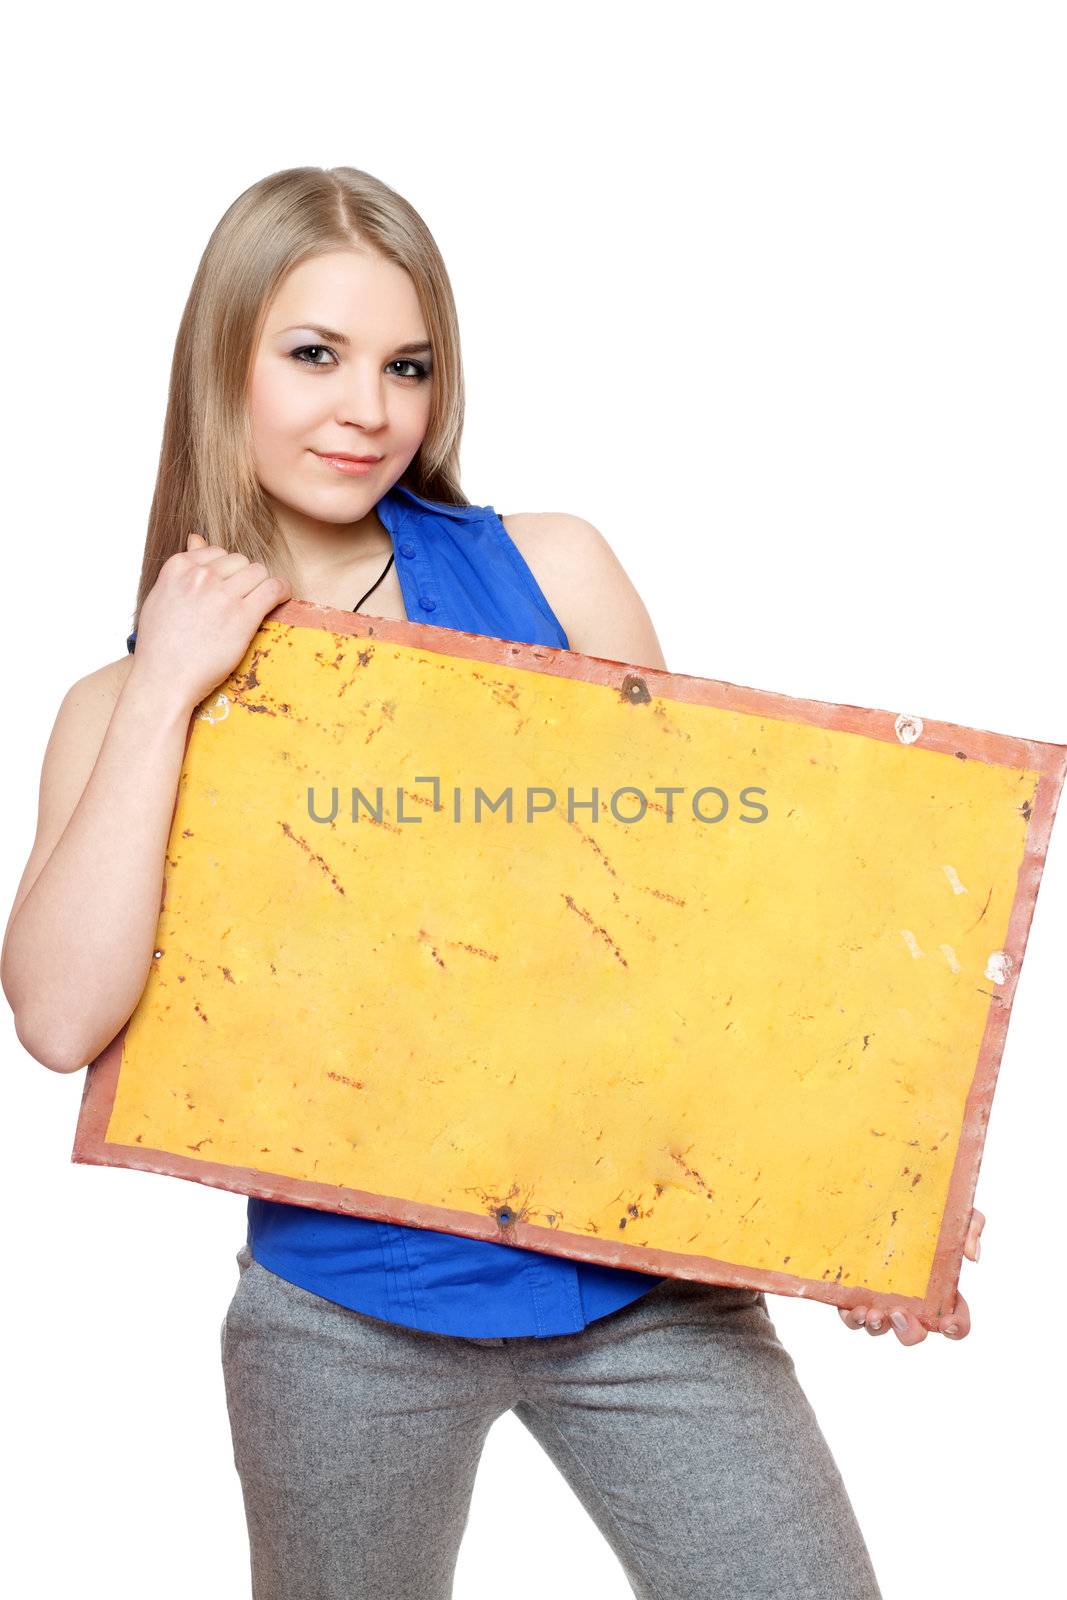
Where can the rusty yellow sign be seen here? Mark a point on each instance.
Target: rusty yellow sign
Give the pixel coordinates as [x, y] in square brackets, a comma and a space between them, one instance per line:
[628, 966]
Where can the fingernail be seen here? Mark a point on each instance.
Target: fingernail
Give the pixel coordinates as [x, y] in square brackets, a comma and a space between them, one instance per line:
[952, 1329]
[899, 1321]
[875, 1320]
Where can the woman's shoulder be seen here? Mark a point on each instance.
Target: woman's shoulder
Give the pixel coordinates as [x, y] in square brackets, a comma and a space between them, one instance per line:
[586, 585]
[102, 682]
[91, 699]
[112, 675]
[564, 547]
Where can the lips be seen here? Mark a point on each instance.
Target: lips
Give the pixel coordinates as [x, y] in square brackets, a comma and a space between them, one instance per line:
[354, 466]
[343, 455]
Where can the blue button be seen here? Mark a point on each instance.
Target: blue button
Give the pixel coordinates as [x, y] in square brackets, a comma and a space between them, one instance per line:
[407, 549]
[427, 604]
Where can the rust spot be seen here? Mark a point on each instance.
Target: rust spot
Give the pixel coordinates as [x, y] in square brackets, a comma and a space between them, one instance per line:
[1026, 809]
[691, 1172]
[433, 948]
[634, 690]
[603, 932]
[983, 911]
[475, 950]
[661, 894]
[505, 694]
[592, 842]
[312, 856]
[250, 679]
[227, 974]
[339, 1077]
[961, 755]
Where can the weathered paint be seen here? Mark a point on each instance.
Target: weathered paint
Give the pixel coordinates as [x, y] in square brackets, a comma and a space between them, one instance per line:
[750, 1054]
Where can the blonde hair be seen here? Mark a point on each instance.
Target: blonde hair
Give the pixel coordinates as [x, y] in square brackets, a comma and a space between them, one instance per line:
[206, 481]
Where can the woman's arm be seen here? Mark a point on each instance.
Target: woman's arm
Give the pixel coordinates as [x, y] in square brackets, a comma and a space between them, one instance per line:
[587, 587]
[79, 939]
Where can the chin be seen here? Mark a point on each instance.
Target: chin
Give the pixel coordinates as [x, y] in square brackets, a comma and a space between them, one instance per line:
[321, 507]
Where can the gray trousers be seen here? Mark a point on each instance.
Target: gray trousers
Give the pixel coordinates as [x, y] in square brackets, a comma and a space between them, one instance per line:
[678, 1421]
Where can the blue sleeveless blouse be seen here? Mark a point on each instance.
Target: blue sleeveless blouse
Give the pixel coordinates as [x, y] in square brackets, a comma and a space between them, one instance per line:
[458, 568]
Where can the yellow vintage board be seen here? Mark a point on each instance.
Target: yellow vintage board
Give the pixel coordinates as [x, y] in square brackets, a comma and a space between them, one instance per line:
[741, 1023]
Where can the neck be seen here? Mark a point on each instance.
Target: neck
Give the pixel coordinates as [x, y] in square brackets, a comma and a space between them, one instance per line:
[334, 563]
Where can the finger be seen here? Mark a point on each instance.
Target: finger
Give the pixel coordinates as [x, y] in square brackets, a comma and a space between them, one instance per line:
[907, 1327]
[877, 1322]
[956, 1324]
[853, 1316]
[197, 545]
[972, 1247]
[980, 1219]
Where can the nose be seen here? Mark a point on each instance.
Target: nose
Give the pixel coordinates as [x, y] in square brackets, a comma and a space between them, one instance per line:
[362, 400]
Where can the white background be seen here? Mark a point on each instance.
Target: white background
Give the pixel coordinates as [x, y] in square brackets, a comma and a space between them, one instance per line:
[774, 296]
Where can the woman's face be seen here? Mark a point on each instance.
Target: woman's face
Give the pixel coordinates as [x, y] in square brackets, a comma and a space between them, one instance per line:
[343, 365]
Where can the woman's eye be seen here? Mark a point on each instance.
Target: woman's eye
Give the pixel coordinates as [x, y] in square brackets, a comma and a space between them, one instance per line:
[419, 372]
[304, 348]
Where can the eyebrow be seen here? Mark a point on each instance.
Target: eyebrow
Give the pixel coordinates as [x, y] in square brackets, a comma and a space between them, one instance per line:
[333, 337]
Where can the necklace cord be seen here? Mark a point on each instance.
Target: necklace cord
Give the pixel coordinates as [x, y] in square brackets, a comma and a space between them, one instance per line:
[376, 582]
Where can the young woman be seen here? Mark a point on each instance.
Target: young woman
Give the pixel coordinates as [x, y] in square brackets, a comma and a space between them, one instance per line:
[310, 450]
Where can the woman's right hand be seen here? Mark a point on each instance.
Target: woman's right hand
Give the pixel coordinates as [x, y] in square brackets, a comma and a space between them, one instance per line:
[955, 1324]
[197, 621]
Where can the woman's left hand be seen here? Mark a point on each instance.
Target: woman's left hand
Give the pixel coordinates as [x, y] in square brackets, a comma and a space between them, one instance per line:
[908, 1329]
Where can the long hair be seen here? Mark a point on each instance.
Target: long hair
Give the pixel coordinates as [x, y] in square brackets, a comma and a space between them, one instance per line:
[206, 481]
